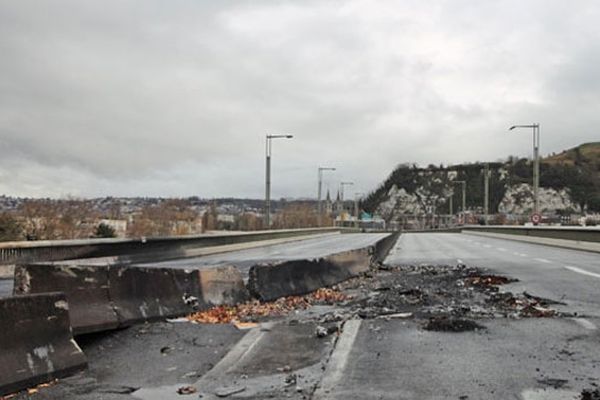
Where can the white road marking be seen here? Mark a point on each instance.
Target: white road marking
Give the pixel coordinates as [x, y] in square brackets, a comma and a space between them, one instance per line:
[500, 248]
[543, 260]
[458, 260]
[585, 323]
[487, 246]
[549, 394]
[582, 271]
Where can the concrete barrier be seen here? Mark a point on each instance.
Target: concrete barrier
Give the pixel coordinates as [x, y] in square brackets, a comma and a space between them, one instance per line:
[36, 342]
[270, 281]
[108, 297]
[86, 288]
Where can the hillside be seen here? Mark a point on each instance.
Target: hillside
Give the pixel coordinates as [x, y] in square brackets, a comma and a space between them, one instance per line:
[570, 182]
[587, 153]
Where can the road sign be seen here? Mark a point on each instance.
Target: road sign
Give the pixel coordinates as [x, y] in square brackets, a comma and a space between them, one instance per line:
[536, 218]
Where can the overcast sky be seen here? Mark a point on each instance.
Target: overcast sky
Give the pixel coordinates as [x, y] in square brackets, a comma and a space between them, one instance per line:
[174, 98]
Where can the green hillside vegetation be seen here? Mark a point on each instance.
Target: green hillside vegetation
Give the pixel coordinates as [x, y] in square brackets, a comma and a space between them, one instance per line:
[577, 170]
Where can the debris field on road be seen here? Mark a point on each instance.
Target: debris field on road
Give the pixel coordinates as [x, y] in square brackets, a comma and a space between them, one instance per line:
[442, 298]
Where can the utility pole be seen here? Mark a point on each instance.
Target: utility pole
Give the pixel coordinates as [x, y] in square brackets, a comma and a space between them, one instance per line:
[486, 192]
[320, 204]
[536, 163]
[268, 177]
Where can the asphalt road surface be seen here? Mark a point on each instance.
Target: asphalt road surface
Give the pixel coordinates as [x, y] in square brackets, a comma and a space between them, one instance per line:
[309, 248]
[528, 359]
[569, 276]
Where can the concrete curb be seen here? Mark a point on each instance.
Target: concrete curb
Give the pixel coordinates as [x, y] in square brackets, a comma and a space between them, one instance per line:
[36, 342]
[562, 243]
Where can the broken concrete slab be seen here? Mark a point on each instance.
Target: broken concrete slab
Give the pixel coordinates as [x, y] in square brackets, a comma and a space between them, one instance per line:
[270, 281]
[36, 341]
[86, 288]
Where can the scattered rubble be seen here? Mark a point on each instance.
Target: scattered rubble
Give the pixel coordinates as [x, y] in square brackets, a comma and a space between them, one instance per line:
[590, 394]
[455, 293]
[187, 390]
[448, 298]
[254, 311]
[321, 331]
[555, 383]
[449, 324]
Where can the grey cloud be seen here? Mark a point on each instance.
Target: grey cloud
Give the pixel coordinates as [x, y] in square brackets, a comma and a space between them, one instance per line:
[174, 98]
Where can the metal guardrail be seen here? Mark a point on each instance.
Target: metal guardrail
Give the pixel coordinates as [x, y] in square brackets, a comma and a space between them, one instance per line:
[582, 234]
[55, 250]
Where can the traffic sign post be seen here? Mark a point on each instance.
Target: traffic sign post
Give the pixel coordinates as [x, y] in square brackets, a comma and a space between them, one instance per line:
[536, 218]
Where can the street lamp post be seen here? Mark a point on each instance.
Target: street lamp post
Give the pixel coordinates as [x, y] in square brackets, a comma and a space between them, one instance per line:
[356, 196]
[464, 197]
[342, 184]
[268, 177]
[536, 163]
[320, 204]
[486, 192]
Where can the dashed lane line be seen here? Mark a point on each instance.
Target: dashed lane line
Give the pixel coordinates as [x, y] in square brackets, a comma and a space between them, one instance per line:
[543, 260]
[582, 271]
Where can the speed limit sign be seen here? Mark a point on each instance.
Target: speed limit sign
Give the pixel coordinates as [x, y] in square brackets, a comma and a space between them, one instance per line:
[536, 218]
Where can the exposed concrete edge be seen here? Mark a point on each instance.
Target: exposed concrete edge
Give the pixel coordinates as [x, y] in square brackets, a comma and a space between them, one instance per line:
[271, 281]
[561, 243]
[384, 246]
[337, 362]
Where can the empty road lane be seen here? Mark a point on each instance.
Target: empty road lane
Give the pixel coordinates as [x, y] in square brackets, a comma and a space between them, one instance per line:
[570, 276]
[308, 248]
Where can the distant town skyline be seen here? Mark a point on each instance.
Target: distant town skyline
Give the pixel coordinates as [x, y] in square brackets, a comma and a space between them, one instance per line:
[174, 99]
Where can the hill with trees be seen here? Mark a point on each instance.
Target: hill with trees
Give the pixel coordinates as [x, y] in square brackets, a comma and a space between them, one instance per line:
[569, 181]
